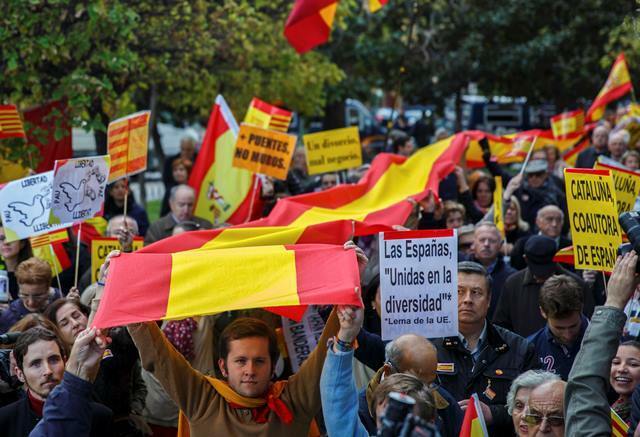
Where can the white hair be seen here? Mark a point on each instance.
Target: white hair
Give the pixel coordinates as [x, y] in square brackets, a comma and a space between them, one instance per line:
[529, 379]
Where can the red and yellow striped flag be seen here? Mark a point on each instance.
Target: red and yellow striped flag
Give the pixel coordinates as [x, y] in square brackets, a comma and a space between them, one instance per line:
[223, 192]
[310, 23]
[60, 236]
[212, 281]
[374, 204]
[619, 427]
[10, 122]
[617, 85]
[473, 424]
[567, 123]
[267, 116]
[127, 140]
[55, 254]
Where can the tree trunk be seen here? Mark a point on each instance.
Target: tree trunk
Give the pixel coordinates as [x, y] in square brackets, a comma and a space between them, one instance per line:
[153, 126]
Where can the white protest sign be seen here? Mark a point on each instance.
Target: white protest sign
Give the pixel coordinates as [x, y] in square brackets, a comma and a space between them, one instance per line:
[302, 337]
[79, 188]
[419, 283]
[25, 204]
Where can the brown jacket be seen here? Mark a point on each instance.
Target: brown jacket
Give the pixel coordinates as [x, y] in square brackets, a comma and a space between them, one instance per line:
[207, 411]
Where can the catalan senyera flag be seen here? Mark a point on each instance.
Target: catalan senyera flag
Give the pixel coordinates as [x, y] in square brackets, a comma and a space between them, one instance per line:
[59, 236]
[473, 424]
[375, 5]
[212, 281]
[374, 204]
[10, 122]
[127, 141]
[619, 427]
[223, 192]
[267, 116]
[567, 123]
[309, 23]
[617, 85]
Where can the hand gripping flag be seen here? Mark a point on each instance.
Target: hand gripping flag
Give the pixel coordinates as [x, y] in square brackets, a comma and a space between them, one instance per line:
[310, 23]
[473, 424]
[223, 192]
[10, 122]
[617, 85]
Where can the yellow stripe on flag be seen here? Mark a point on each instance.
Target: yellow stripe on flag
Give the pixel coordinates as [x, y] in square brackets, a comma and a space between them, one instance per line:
[328, 13]
[393, 186]
[191, 280]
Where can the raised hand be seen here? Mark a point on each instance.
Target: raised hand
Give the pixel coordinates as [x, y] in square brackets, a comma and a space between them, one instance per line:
[350, 319]
[623, 281]
[86, 354]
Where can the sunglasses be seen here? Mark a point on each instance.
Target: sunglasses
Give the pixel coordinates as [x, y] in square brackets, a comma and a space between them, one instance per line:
[536, 419]
[538, 174]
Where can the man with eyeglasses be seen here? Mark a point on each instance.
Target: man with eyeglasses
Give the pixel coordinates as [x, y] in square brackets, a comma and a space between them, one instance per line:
[544, 414]
[34, 292]
[537, 191]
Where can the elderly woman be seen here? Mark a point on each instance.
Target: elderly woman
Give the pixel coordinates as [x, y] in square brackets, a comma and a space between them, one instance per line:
[518, 396]
[625, 377]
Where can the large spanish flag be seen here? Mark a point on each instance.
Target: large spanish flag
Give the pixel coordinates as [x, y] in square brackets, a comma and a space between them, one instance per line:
[473, 424]
[378, 201]
[617, 85]
[224, 192]
[186, 284]
[310, 23]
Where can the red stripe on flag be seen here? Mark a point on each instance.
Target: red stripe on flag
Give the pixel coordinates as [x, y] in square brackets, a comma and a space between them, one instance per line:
[146, 302]
[62, 255]
[119, 142]
[137, 163]
[139, 121]
[118, 130]
[316, 273]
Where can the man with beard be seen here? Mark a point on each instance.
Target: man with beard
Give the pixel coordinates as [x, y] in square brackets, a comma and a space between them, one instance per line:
[40, 365]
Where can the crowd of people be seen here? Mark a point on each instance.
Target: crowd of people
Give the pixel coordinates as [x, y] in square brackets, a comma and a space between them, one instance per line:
[547, 349]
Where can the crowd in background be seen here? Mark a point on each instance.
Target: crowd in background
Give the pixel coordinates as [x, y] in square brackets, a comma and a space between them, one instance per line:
[528, 326]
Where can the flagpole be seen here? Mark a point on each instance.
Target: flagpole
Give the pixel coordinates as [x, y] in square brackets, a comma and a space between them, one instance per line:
[75, 282]
[253, 197]
[526, 160]
[126, 199]
[55, 267]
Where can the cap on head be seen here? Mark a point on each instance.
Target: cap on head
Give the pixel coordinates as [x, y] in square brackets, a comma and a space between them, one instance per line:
[539, 251]
[536, 166]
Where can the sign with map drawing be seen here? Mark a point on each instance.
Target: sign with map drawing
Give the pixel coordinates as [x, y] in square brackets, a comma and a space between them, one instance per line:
[25, 205]
[78, 190]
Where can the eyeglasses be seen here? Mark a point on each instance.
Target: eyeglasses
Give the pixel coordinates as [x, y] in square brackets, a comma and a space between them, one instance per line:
[34, 297]
[536, 419]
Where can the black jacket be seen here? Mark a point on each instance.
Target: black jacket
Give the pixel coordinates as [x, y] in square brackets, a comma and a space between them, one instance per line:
[518, 307]
[504, 357]
[517, 254]
[18, 419]
[533, 199]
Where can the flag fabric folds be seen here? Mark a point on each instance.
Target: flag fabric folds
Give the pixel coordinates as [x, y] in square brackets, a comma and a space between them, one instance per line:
[567, 123]
[50, 119]
[377, 201]
[211, 281]
[223, 192]
[309, 23]
[267, 116]
[619, 427]
[617, 85]
[473, 424]
[10, 122]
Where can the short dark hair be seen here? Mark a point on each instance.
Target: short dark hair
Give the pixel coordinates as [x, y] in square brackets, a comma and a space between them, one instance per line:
[474, 268]
[51, 311]
[632, 343]
[31, 336]
[400, 141]
[408, 385]
[245, 327]
[561, 295]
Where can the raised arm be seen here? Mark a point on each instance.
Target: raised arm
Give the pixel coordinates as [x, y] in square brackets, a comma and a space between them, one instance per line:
[337, 386]
[587, 407]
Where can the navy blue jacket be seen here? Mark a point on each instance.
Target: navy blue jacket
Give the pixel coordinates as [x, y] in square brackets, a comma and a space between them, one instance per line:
[67, 412]
[555, 357]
